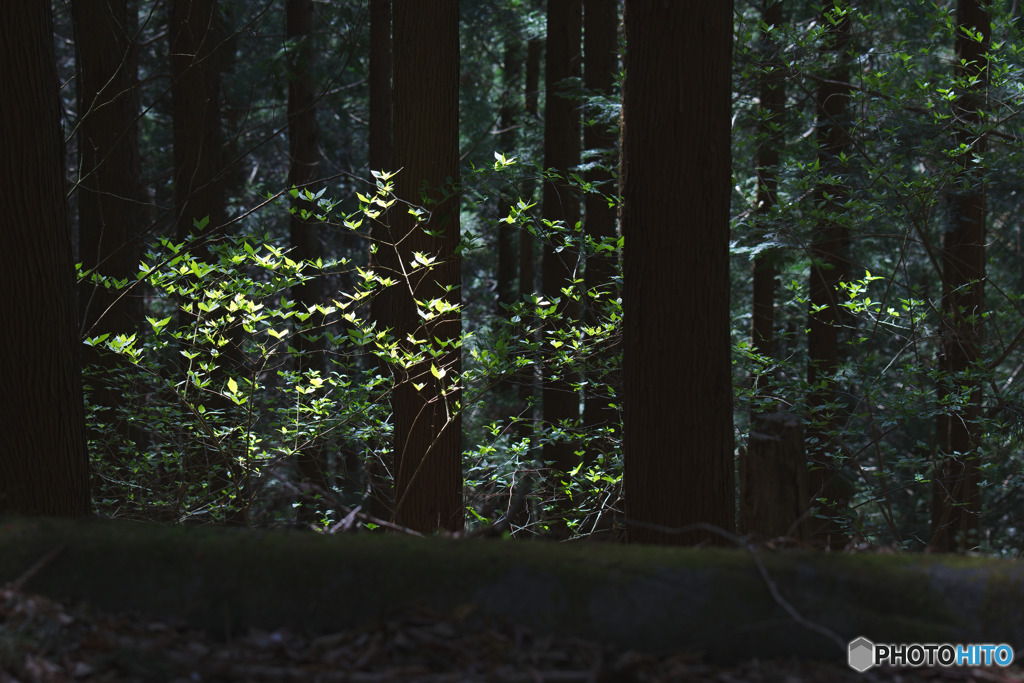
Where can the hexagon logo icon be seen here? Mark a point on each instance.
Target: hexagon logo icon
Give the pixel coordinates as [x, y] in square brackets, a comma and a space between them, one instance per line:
[861, 656]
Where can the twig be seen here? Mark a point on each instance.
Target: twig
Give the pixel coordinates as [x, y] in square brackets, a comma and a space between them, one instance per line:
[772, 587]
[41, 564]
[515, 507]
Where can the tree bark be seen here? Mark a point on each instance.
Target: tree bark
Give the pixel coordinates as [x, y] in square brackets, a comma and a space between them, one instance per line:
[383, 259]
[196, 97]
[509, 117]
[305, 233]
[955, 503]
[197, 51]
[772, 94]
[528, 375]
[108, 149]
[601, 65]
[428, 424]
[829, 265]
[44, 467]
[109, 243]
[560, 202]
[676, 174]
[773, 479]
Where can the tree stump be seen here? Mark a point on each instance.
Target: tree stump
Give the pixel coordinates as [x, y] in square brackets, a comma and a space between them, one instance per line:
[773, 478]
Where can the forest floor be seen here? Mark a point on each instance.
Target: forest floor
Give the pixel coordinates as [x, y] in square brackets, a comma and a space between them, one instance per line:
[47, 641]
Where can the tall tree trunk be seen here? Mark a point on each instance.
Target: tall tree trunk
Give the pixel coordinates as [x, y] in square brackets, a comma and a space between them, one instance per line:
[196, 39]
[196, 96]
[561, 203]
[829, 265]
[955, 503]
[305, 235]
[109, 242]
[383, 258]
[676, 176]
[772, 94]
[428, 423]
[108, 149]
[528, 375]
[44, 467]
[509, 118]
[381, 148]
[601, 65]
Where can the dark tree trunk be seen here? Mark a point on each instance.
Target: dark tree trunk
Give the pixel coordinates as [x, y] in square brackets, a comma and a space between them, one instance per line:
[829, 265]
[772, 93]
[109, 242]
[509, 118]
[562, 122]
[528, 375]
[195, 45]
[197, 51]
[428, 426]
[305, 235]
[676, 178]
[601, 55]
[773, 479]
[44, 468]
[380, 86]
[108, 150]
[383, 259]
[955, 504]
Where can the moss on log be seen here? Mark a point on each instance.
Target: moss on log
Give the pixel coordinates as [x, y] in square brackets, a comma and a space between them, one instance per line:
[648, 598]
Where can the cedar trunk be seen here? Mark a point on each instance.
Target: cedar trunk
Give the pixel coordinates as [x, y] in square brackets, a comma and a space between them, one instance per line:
[196, 94]
[562, 123]
[601, 55]
[772, 93]
[305, 234]
[428, 424]
[509, 119]
[955, 504]
[528, 374]
[109, 242]
[108, 148]
[383, 260]
[675, 219]
[44, 467]
[829, 266]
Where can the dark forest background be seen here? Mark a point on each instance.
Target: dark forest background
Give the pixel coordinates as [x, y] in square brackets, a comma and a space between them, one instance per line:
[367, 265]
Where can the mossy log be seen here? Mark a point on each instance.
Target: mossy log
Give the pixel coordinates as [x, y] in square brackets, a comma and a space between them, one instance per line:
[713, 601]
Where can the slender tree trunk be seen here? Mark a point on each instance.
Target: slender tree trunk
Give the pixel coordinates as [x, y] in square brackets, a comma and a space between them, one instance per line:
[601, 65]
[305, 234]
[44, 467]
[527, 244]
[383, 259]
[109, 242]
[772, 93]
[527, 377]
[196, 39]
[676, 176]
[196, 97]
[108, 149]
[955, 503]
[509, 118]
[381, 151]
[561, 203]
[829, 265]
[428, 423]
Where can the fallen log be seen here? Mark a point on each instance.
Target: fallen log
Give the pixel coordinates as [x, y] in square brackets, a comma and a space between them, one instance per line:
[730, 605]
